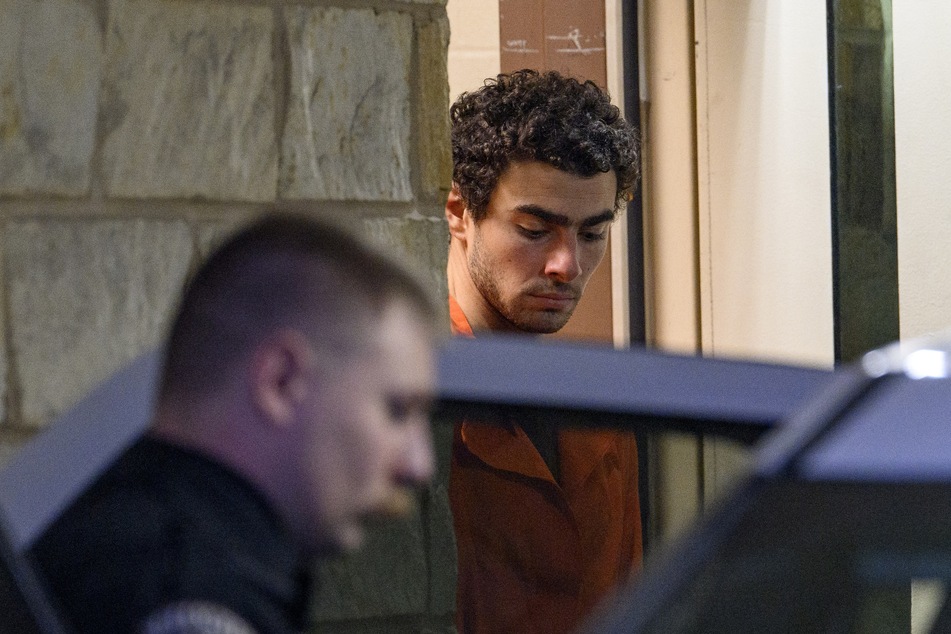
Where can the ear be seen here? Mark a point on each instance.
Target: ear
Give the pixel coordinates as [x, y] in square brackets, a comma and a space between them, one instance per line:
[279, 376]
[456, 214]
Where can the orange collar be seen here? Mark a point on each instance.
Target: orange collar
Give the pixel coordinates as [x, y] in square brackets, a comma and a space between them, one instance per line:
[459, 323]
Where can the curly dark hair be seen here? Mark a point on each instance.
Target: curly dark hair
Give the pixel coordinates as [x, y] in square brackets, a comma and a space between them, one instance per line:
[532, 116]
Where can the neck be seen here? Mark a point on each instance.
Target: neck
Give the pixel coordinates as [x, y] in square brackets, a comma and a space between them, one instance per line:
[219, 430]
[189, 423]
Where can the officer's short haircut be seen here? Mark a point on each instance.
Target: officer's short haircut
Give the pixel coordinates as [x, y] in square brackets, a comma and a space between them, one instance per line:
[284, 270]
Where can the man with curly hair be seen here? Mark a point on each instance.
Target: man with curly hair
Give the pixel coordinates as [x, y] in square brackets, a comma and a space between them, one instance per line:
[547, 521]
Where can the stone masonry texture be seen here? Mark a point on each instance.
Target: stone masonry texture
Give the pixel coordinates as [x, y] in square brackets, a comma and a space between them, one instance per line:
[188, 101]
[49, 84]
[84, 299]
[433, 113]
[422, 243]
[348, 121]
[387, 577]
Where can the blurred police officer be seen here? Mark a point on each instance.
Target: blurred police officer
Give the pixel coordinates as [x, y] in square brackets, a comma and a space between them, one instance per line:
[292, 407]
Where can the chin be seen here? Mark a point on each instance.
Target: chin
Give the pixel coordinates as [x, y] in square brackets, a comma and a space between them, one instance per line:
[543, 325]
[351, 541]
[341, 543]
[545, 330]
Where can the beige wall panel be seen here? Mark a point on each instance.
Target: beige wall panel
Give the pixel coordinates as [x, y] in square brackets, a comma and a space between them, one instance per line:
[670, 212]
[670, 190]
[922, 54]
[613, 42]
[473, 44]
[620, 298]
[764, 179]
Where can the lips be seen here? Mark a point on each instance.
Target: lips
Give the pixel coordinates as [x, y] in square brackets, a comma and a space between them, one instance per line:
[554, 301]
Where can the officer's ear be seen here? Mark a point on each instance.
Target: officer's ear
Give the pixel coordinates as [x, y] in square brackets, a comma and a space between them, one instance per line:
[278, 376]
[456, 214]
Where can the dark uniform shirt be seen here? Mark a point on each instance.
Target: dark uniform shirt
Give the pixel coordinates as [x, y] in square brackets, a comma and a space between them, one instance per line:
[168, 540]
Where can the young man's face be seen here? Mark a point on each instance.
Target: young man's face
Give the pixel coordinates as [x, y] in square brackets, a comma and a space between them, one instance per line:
[368, 444]
[543, 234]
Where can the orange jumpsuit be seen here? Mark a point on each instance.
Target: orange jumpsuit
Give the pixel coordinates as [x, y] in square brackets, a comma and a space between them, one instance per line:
[535, 555]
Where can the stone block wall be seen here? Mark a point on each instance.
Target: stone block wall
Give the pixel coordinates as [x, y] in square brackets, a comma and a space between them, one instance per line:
[135, 133]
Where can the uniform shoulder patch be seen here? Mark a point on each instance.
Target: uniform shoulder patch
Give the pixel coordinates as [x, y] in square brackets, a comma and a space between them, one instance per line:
[195, 617]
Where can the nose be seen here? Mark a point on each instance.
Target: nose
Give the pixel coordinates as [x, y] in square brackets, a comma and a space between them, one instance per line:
[418, 462]
[562, 263]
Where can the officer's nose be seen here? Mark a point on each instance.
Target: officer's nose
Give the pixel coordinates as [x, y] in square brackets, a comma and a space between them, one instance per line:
[417, 462]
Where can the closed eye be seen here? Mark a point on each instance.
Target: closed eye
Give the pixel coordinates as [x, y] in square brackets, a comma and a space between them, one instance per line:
[594, 236]
[532, 234]
[403, 409]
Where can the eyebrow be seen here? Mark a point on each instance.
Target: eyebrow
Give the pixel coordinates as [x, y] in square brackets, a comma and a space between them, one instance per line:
[562, 220]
